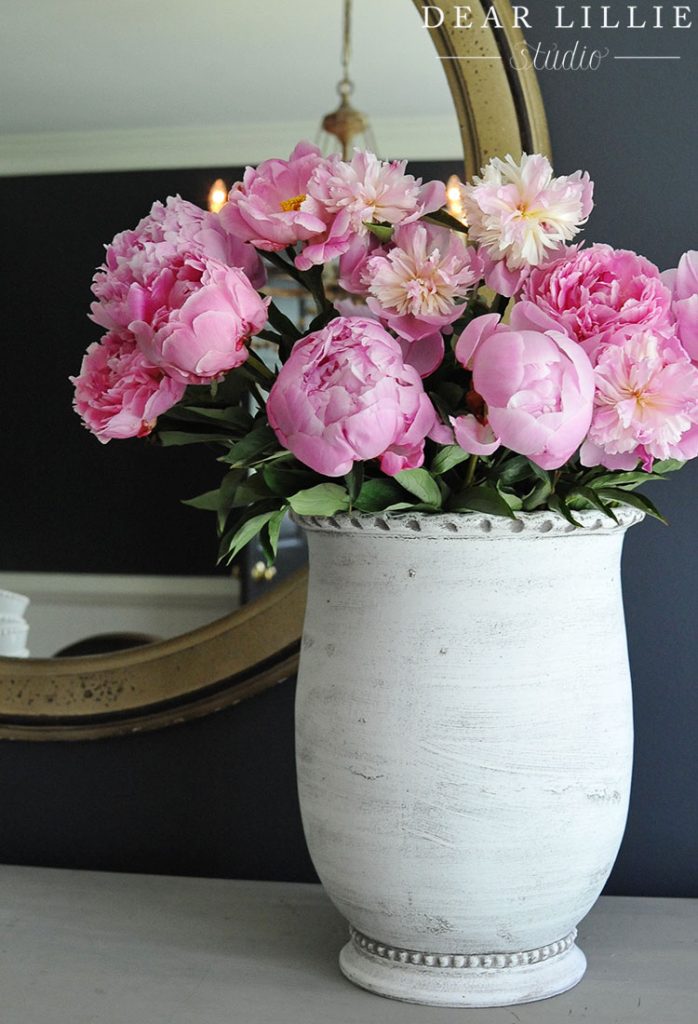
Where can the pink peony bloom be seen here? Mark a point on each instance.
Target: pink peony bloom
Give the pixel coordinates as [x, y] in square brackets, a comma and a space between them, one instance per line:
[646, 403]
[161, 261]
[414, 286]
[349, 195]
[499, 278]
[518, 212]
[536, 391]
[118, 393]
[591, 294]
[683, 283]
[204, 337]
[345, 396]
[353, 264]
[474, 436]
[269, 207]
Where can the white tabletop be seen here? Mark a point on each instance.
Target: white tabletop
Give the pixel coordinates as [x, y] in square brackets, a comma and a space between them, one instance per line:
[91, 948]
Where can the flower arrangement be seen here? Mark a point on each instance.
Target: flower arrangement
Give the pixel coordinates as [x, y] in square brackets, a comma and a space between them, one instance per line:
[495, 367]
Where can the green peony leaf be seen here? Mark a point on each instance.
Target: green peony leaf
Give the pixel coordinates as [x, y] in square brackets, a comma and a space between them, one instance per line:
[559, 505]
[378, 495]
[269, 535]
[634, 500]
[420, 483]
[250, 490]
[321, 500]
[208, 501]
[448, 458]
[594, 499]
[515, 470]
[175, 438]
[236, 539]
[232, 416]
[354, 481]
[251, 449]
[667, 466]
[481, 499]
[445, 219]
[284, 480]
[383, 232]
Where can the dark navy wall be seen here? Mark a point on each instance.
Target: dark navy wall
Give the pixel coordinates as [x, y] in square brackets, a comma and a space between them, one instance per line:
[631, 124]
[217, 797]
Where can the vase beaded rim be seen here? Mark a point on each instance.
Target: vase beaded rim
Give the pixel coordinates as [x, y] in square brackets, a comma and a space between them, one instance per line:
[471, 524]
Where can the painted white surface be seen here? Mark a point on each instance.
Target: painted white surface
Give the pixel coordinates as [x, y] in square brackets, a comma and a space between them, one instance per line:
[464, 744]
[93, 86]
[68, 607]
[89, 948]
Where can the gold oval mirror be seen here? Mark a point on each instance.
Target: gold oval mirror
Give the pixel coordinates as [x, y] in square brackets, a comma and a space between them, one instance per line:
[499, 111]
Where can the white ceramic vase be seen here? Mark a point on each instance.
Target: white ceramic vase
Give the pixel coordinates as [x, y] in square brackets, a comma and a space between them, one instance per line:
[464, 745]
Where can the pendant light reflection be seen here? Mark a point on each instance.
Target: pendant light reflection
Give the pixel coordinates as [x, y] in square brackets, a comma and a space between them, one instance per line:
[345, 128]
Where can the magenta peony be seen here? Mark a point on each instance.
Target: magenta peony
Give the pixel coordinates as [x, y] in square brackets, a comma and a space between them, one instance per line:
[683, 283]
[118, 393]
[646, 403]
[269, 206]
[350, 195]
[535, 392]
[204, 337]
[592, 293]
[345, 395]
[518, 212]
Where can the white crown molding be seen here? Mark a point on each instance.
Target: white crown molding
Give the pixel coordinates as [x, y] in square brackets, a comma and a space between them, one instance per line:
[423, 138]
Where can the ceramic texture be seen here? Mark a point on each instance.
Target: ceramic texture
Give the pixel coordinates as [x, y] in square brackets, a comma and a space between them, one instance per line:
[464, 745]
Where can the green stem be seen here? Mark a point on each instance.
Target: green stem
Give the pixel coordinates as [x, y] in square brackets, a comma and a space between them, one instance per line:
[261, 368]
[472, 465]
[256, 394]
[271, 336]
[280, 262]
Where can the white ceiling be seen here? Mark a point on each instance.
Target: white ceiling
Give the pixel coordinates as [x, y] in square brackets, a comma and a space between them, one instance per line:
[158, 77]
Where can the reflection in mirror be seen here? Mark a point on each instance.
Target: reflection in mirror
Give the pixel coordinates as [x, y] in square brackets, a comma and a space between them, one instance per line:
[97, 536]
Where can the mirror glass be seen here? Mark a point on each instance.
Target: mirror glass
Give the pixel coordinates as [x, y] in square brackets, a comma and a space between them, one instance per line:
[107, 108]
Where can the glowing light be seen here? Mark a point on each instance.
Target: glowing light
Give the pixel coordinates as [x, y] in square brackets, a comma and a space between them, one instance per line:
[217, 196]
[453, 198]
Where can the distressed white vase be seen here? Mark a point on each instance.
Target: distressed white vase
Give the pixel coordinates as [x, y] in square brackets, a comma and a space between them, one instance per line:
[464, 745]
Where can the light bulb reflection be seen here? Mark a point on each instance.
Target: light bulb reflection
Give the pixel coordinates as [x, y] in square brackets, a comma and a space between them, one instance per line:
[217, 196]
[454, 199]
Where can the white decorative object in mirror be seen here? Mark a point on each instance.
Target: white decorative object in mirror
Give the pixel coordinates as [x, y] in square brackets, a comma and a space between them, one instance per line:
[14, 628]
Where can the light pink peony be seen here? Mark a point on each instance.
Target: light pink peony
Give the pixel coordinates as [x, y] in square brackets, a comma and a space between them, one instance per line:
[204, 337]
[646, 403]
[366, 190]
[415, 284]
[536, 390]
[518, 212]
[269, 206]
[118, 393]
[161, 261]
[345, 396]
[683, 283]
[591, 294]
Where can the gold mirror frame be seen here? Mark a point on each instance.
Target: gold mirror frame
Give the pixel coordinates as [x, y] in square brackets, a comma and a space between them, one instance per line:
[499, 111]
